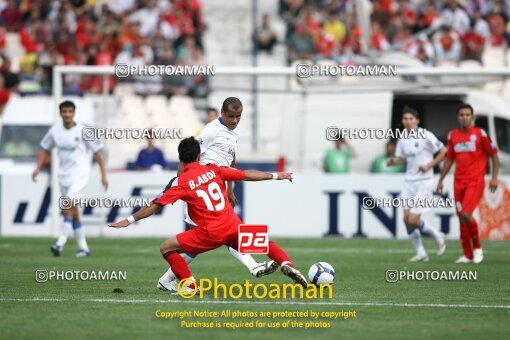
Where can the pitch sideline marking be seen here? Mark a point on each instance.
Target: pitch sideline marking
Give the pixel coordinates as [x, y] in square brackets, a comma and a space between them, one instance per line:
[368, 304]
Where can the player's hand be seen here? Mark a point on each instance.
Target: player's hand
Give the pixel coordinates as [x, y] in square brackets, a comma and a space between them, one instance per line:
[104, 181]
[425, 167]
[232, 198]
[35, 174]
[439, 189]
[493, 185]
[121, 224]
[284, 175]
[390, 162]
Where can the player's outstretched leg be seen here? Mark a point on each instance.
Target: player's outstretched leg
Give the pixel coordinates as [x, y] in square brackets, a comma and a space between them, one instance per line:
[65, 226]
[169, 281]
[277, 254]
[179, 267]
[256, 269]
[438, 236]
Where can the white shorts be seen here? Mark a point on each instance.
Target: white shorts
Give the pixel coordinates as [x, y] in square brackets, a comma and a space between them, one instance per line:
[73, 190]
[418, 189]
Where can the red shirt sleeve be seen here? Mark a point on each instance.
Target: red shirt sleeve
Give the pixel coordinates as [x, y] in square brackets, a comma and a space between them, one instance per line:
[171, 195]
[488, 147]
[231, 174]
[450, 152]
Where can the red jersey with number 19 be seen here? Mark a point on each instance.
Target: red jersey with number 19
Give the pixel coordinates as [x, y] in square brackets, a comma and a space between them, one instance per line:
[203, 188]
[469, 149]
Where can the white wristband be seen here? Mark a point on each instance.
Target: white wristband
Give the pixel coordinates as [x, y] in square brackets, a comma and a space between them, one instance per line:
[131, 219]
[275, 175]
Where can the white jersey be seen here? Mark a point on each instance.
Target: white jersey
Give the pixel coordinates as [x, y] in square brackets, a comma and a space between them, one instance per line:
[417, 152]
[74, 153]
[218, 144]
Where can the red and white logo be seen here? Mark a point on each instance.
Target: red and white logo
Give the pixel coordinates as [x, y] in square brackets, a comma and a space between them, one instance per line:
[253, 239]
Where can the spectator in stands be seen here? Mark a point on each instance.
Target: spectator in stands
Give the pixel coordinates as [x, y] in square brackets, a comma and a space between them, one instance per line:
[481, 26]
[151, 157]
[379, 165]
[496, 20]
[212, 114]
[447, 44]
[301, 44]
[423, 50]
[11, 16]
[265, 36]
[336, 160]
[4, 94]
[473, 44]
[148, 17]
[455, 17]
[335, 27]
[11, 79]
[177, 84]
[379, 40]
[325, 45]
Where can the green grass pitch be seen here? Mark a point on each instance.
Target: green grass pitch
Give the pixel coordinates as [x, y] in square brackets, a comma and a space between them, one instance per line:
[403, 310]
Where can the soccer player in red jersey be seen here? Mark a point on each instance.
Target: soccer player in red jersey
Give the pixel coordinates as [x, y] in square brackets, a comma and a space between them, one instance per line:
[469, 147]
[203, 187]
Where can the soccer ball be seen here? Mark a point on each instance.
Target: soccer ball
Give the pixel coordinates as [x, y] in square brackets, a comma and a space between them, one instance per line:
[321, 273]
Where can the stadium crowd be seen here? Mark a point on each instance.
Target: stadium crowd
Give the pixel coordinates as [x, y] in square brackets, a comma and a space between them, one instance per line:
[430, 30]
[101, 32]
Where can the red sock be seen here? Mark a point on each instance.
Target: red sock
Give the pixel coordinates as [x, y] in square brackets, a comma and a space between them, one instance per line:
[465, 240]
[178, 265]
[277, 254]
[473, 229]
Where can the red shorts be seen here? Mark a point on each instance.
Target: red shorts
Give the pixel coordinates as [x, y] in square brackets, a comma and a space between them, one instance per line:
[468, 194]
[199, 240]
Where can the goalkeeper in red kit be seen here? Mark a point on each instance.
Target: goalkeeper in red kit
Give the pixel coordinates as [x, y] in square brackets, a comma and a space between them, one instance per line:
[203, 188]
[469, 147]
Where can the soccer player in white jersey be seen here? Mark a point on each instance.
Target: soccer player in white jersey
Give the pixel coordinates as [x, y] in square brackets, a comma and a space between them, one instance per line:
[75, 158]
[418, 153]
[218, 144]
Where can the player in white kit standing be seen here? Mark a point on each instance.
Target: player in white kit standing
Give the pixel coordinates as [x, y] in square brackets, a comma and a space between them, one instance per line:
[218, 144]
[419, 152]
[75, 158]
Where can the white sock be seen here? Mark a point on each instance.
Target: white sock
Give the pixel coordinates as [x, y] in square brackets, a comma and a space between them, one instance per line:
[65, 226]
[427, 228]
[415, 238]
[248, 261]
[79, 235]
[169, 274]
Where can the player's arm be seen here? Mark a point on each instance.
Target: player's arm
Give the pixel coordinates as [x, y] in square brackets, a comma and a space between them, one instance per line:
[230, 187]
[493, 184]
[45, 155]
[47, 143]
[231, 174]
[100, 161]
[169, 196]
[255, 175]
[139, 215]
[439, 157]
[446, 168]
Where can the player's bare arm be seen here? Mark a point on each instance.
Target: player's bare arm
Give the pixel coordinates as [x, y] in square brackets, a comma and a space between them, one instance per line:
[230, 187]
[447, 166]
[139, 215]
[493, 184]
[42, 160]
[254, 175]
[439, 157]
[100, 161]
